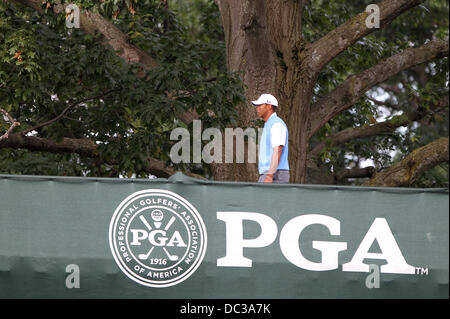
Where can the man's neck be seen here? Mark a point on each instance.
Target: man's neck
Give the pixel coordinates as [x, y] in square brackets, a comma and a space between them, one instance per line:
[267, 117]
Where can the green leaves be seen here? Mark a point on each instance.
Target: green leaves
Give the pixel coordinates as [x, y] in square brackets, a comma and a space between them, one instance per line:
[419, 89]
[60, 66]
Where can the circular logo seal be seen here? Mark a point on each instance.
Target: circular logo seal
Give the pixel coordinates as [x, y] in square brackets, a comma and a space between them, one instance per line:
[157, 238]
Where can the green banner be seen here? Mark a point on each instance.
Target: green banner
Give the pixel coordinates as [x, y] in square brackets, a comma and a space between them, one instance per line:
[186, 238]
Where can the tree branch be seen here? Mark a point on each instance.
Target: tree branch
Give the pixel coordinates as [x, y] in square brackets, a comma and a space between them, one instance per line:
[84, 147]
[356, 172]
[23, 133]
[382, 103]
[413, 165]
[348, 93]
[364, 131]
[13, 122]
[391, 88]
[92, 23]
[389, 126]
[344, 36]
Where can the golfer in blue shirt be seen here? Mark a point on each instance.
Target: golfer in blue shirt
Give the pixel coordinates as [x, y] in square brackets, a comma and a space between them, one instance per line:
[273, 163]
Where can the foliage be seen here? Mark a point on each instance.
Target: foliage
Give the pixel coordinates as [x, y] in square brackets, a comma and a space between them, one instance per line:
[412, 29]
[45, 67]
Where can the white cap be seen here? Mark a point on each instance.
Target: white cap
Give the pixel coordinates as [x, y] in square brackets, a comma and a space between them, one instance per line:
[266, 99]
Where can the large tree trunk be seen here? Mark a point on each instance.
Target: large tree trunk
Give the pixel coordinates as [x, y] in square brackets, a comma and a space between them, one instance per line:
[264, 42]
[260, 37]
[247, 52]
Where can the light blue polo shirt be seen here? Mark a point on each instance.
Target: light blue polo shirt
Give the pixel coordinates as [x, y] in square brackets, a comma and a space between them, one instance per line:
[266, 148]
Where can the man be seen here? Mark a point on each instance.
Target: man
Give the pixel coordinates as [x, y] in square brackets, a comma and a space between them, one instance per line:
[273, 163]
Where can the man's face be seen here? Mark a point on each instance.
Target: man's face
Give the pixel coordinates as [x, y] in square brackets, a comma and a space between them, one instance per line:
[263, 109]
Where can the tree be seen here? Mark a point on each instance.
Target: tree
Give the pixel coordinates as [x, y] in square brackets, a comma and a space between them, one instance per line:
[267, 41]
[92, 97]
[330, 70]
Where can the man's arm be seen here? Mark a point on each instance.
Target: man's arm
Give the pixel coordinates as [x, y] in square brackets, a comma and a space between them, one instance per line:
[273, 163]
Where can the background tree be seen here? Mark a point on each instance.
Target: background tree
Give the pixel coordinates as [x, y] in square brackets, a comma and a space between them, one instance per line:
[321, 60]
[356, 99]
[99, 103]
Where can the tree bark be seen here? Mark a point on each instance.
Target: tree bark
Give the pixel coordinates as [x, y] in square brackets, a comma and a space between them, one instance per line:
[247, 52]
[357, 172]
[84, 147]
[413, 165]
[260, 37]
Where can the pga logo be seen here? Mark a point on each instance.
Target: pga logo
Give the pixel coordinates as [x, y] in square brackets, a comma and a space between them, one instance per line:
[157, 238]
[291, 234]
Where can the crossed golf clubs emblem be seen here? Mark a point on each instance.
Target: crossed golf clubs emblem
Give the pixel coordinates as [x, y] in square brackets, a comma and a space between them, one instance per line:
[157, 216]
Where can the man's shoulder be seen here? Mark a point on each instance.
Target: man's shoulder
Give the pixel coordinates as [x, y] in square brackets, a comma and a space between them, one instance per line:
[278, 119]
[279, 127]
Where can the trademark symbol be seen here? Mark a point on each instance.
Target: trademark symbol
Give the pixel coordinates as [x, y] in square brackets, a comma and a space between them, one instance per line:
[421, 271]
